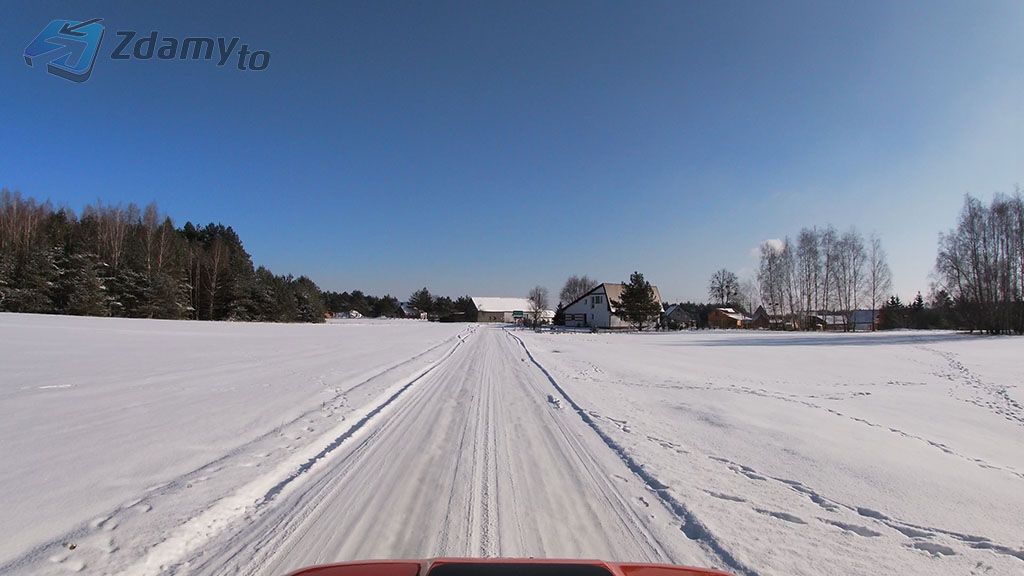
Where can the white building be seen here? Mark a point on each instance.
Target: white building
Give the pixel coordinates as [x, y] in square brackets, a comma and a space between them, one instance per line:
[594, 309]
[492, 309]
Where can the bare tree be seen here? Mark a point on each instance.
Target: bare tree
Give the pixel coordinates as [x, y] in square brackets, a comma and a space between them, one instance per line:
[216, 268]
[113, 225]
[194, 258]
[770, 275]
[879, 274]
[538, 302]
[20, 221]
[575, 287]
[723, 287]
[747, 295]
[829, 249]
[849, 261]
[789, 286]
[166, 236]
[982, 263]
[808, 271]
[151, 231]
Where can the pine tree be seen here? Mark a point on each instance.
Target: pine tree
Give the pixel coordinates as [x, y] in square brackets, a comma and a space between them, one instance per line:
[310, 304]
[81, 290]
[638, 306]
[892, 314]
[442, 307]
[917, 313]
[464, 304]
[386, 307]
[422, 300]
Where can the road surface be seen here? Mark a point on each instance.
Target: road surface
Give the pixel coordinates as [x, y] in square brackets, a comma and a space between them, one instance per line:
[478, 456]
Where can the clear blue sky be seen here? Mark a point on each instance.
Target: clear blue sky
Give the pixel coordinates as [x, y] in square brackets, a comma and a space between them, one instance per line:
[484, 148]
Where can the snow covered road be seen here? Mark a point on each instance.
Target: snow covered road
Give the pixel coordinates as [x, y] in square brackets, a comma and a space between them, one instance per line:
[476, 458]
[148, 447]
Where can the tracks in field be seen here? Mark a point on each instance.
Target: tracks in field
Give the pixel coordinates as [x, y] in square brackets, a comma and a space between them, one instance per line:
[970, 388]
[472, 449]
[98, 543]
[691, 526]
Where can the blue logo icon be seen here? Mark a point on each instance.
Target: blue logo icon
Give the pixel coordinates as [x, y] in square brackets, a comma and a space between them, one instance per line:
[68, 47]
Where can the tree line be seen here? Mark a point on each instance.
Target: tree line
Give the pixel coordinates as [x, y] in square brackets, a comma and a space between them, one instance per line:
[822, 271]
[980, 266]
[130, 262]
[123, 261]
[979, 274]
[443, 308]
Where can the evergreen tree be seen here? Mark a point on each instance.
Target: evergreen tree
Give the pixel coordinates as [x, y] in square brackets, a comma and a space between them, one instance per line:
[917, 313]
[165, 297]
[464, 304]
[386, 307]
[892, 314]
[308, 301]
[357, 301]
[442, 307]
[26, 280]
[559, 319]
[85, 292]
[422, 300]
[638, 305]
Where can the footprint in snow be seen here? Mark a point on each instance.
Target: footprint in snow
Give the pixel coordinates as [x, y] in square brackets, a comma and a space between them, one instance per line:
[936, 550]
[781, 516]
[855, 529]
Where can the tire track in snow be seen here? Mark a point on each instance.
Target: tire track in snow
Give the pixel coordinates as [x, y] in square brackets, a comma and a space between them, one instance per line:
[692, 526]
[522, 484]
[153, 496]
[179, 550]
[303, 468]
[265, 538]
[592, 473]
[471, 460]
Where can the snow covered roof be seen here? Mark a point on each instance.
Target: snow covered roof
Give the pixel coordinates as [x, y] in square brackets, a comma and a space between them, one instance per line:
[497, 304]
[831, 319]
[408, 309]
[731, 313]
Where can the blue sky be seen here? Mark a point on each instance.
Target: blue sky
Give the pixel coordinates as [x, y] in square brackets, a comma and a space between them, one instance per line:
[483, 148]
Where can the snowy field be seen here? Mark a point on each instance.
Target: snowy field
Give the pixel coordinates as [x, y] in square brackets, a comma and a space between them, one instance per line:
[152, 447]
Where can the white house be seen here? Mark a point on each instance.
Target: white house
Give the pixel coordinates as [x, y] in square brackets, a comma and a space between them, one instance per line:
[594, 309]
[492, 309]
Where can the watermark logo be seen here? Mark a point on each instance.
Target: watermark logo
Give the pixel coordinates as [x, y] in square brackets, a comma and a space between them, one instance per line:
[68, 47]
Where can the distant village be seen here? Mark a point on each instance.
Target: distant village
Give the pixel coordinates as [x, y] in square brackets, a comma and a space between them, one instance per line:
[596, 309]
[126, 261]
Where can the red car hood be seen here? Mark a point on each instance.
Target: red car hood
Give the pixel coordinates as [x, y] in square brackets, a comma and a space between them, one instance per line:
[501, 567]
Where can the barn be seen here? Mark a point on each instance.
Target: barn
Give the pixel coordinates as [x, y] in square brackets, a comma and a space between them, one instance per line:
[727, 318]
[497, 309]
